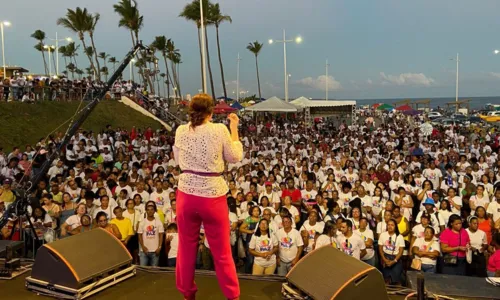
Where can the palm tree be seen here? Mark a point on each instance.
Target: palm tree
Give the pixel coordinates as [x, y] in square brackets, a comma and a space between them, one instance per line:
[89, 70]
[176, 61]
[174, 56]
[160, 43]
[191, 12]
[77, 21]
[92, 21]
[112, 60]
[217, 18]
[79, 72]
[89, 51]
[163, 75]
[104, 57]
[72, 52]
[255, 48]
[72, 68]
[64, 53]
[104, 70]
[40, 37]
[131, 19]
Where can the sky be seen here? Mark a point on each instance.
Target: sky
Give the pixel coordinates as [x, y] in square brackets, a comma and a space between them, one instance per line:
[375, 48]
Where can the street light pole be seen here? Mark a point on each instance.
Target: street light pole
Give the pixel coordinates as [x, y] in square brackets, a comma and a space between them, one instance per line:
[203, 52]
[297, 40]
[238, 79]
[286, 73]
[68, 39]
[326, 80]
[456, 84]
[2, 24]
[49, 49]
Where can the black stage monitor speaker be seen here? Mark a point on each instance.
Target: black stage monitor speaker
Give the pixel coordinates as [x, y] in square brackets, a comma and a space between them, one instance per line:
[327, 273]
[75, 261]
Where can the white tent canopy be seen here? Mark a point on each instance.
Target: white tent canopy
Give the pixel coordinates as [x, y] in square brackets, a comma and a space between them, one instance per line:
[301, 102]
[304, 102]
[273, 104]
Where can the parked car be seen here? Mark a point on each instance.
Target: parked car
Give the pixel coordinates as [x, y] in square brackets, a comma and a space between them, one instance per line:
[434, 115]
[475, 120]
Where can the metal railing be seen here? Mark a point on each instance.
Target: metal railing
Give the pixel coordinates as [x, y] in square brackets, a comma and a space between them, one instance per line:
[160, 112]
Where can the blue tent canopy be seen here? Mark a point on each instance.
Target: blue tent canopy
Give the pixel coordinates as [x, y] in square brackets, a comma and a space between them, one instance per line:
[236, 105]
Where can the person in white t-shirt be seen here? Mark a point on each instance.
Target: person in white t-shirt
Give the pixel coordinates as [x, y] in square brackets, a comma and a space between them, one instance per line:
[329, 236]
[290, 246]
[493, 210]
[427, 249]
[150, 233]
[172, 242]
[366, 235]
[350, 243]
[479, 246]
[479, 199]
[263, 246]
[310, 228]
[391, 246]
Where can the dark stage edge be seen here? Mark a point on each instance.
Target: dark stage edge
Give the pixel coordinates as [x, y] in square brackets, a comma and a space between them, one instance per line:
[146, 285]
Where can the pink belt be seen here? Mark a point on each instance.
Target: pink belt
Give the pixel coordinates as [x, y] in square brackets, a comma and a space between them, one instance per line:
[203, 174]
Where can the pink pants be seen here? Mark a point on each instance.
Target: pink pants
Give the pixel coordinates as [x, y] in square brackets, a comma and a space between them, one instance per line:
[213, 213]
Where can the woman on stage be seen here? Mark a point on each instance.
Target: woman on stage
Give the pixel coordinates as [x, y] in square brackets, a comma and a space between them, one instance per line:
[200, 150]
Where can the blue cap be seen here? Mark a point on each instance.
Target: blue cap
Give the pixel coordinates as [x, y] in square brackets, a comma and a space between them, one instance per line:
[429, 201]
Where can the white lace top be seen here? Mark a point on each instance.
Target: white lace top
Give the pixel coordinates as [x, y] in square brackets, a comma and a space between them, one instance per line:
[204, 149]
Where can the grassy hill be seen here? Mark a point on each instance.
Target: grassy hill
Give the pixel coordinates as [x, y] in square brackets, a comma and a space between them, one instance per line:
[22, 124]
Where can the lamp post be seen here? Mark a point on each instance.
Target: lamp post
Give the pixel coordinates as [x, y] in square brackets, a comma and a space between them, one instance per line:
[67, 39]
[130, 68]
[287, 81]
[49, 49]
[203, 50]
[326, 79]
[238, 79]
[2, 25]
[297, 40]
[456, 83]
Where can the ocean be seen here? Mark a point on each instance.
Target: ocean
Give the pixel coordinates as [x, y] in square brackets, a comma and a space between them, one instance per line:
[475, 103]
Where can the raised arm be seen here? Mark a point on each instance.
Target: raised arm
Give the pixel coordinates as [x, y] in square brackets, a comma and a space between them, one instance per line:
[232, 147]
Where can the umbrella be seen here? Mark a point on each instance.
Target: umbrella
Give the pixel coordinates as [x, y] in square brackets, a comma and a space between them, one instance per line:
[412, 112]
[404, 107]
[237, 105]
[376, 105]
[385, 107]
[223, 108]
[426, 129]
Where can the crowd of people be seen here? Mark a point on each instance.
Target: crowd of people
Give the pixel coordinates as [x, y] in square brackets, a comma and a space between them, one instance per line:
[31, 89]
[383, 193]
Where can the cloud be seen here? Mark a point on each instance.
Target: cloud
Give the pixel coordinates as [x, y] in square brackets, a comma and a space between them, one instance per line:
[369, 81]
[414, 79]
[493, 74]
[321, 82]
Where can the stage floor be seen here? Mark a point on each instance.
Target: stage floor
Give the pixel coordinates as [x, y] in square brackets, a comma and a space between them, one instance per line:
[146, 285]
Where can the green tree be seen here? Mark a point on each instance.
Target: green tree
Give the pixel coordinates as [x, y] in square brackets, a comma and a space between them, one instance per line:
[217, 18]
[113, 61]
[191, 12]
[131, 19]
[255, 48]
[40, 37]
[78, 21]
[104, 56]
[160, 43]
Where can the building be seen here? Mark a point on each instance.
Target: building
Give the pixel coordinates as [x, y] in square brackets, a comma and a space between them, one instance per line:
[12, 71]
